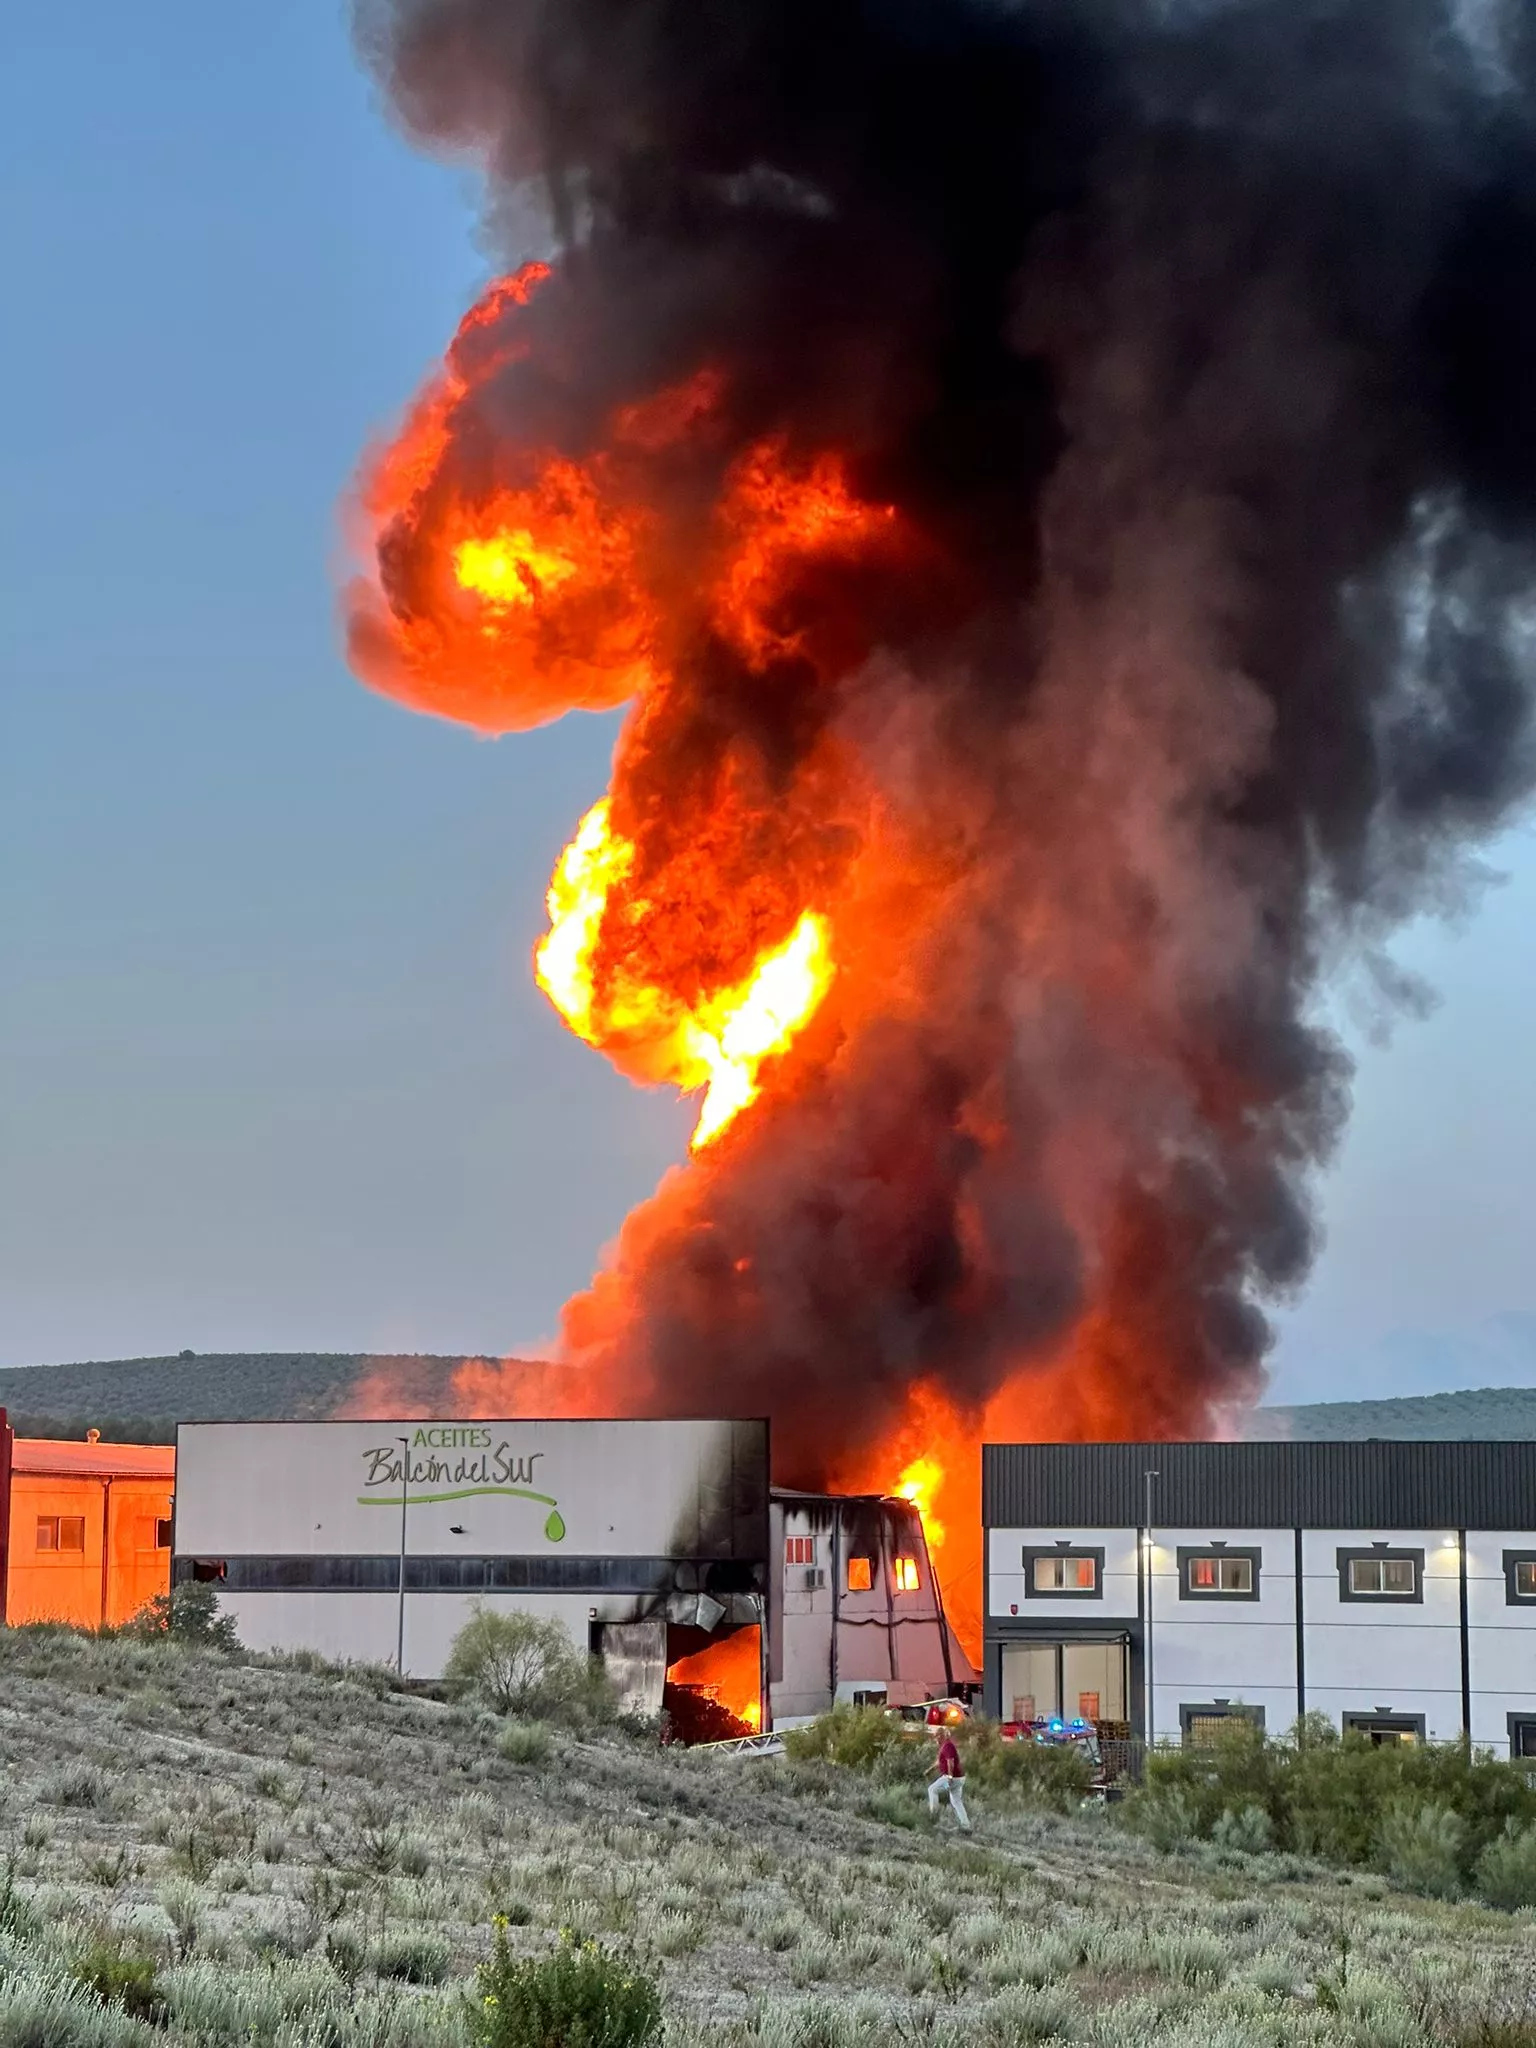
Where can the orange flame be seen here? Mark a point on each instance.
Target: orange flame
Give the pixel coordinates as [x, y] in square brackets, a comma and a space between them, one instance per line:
[728, 1671]
[920, 1484]
[717, 1044]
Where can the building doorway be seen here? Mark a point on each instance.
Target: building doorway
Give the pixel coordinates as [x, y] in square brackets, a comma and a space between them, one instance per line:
[1081, 1680]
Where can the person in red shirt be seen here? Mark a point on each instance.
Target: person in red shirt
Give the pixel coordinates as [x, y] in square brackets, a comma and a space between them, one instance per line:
[949, 1783]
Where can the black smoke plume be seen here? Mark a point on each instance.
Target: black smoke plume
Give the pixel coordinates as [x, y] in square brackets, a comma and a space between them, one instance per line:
[1198, 343]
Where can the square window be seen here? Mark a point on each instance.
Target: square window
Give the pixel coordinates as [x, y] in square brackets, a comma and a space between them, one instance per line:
[1065, 1574]
[1520, 1576]
[1218, 1574]
[47, 1532]
[1063, 1571]
[1381, 1574]
[906, 1575]
[861, 1576]
[1203, 1726]
[71, 1532]
[800, 1550]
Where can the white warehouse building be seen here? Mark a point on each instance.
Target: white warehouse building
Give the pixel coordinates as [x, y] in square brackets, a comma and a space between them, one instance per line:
[647, 1540]
[654, 1543]
[1388, 1585]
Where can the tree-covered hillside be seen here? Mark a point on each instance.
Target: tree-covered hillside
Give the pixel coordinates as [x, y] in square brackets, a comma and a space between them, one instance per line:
[1482, 1412]
[142, 1399]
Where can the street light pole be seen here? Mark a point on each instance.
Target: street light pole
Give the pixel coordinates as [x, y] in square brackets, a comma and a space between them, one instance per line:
[1148, 1478]
[405, 1485]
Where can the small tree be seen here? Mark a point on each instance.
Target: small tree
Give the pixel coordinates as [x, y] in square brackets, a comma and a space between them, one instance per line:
[521, 1664]
[189, 1613]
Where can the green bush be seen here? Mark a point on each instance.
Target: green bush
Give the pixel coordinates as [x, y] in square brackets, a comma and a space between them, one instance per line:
[120, 1979]
[581, 1996]
[189, 1613]
[1167, 1815]
[858, 1738]
[1419, 1848]
[527, 1742]
[899, 1806]
[527, 1665]
[1052, 1774]
[1330, 1797]
[412, 1959]
[1505, 1873]
[1246, 1829]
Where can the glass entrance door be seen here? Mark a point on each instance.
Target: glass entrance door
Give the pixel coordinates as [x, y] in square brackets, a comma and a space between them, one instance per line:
[1076, 1681]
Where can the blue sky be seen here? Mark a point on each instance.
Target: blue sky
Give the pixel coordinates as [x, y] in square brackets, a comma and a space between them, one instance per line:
[273, 1073]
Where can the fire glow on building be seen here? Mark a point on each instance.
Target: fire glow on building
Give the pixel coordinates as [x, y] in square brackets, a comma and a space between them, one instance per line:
[1052, 486]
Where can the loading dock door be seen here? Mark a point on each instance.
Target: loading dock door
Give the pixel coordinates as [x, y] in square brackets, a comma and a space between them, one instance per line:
[634, 1657]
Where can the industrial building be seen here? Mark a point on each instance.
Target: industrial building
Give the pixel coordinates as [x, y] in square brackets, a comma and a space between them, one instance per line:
[87, 1528]
[377, 1540]
[1388, 1585]
[657, 1544]
[860, 1615]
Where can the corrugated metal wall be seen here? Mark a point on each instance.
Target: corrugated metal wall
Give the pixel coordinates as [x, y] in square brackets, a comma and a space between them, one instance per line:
[1262, 1486]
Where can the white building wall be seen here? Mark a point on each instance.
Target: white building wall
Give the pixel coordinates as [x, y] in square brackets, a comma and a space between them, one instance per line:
[1009, 1594]
[1360, 1656]
[1387, 1656]
[362, 1627]
[1207, 1648]
[514, 1487]
[1501, 1638]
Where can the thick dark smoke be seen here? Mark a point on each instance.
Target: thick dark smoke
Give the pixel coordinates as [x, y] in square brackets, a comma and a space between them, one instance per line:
[1199, 343]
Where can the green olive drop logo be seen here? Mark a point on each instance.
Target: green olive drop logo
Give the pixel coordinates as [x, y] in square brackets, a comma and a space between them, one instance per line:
[484, 1467]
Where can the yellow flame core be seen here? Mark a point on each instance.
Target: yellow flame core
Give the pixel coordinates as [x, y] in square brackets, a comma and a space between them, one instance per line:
[918, 1484]
[509, 567]
[720, 1045]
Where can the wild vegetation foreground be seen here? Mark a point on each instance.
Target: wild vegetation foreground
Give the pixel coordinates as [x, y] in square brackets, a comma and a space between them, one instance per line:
[206, 1848]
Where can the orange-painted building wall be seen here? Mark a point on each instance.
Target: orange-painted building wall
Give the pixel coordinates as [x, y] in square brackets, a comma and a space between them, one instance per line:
[122, 1563]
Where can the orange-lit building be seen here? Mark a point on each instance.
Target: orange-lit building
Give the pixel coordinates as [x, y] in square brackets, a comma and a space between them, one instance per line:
[89, 1528]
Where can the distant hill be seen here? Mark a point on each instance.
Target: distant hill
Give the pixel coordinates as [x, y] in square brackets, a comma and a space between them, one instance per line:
[1491, 1412]
[142, 1399]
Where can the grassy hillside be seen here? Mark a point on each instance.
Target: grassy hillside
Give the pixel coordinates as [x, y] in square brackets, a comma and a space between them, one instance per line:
[252, 1852]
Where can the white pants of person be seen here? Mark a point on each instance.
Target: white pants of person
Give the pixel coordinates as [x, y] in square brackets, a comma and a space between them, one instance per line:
[952, 1789]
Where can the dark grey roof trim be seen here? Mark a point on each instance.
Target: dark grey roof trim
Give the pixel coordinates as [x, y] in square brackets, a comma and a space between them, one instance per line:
[1379, 1486]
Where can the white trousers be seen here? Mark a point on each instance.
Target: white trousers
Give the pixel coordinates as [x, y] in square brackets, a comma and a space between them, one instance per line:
[952, 1789]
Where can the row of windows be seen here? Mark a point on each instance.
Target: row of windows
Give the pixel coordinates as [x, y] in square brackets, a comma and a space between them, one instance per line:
[1206, 1724]
[466, 1574]
[67, 1533]
[1378, 1573]
[800, 1554]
